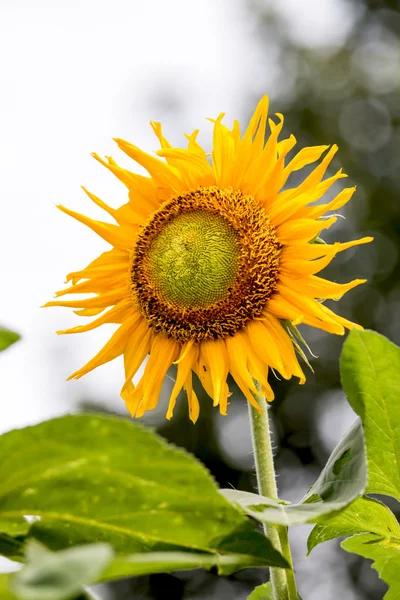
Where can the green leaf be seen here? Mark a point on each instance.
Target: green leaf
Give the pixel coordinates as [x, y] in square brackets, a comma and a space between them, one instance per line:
[343, 479]
[262, 592]
[165, 562]
[370, 372]
[60, 575]
[7, 338]
[363, 515]
[385, 552]
[104, 479]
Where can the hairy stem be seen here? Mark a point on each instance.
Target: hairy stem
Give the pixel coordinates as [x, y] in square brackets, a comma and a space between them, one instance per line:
[282, 580]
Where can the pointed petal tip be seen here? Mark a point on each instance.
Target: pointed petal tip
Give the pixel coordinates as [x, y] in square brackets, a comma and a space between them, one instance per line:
[98, 158]
[50, 304]
[122, 143]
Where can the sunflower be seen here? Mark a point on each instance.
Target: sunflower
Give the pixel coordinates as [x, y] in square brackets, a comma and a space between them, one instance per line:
[213, 264]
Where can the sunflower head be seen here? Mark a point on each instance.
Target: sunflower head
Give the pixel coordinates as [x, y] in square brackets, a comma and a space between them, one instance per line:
[212, 264]
[205, 264]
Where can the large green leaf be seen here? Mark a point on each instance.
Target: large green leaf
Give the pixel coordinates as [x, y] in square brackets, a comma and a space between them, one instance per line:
[370, 371]
[385, 552]
[343, 479]
[364, 515]
[7, 338]
[60, 575]
[104, 479]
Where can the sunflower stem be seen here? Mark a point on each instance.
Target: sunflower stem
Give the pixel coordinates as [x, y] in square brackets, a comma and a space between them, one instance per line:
[282, 580]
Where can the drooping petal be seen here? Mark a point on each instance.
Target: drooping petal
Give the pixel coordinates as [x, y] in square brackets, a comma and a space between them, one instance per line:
[186, 363]
[193, 402]
[163, 352]
[238, 368]
[213, 356]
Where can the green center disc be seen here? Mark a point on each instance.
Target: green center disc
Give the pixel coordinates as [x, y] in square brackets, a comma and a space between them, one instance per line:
[193, 261]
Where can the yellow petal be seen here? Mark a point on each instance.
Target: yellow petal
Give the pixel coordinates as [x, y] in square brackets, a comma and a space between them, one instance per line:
[317, 287]
[163, 352]
[114, 347]
[245, 151]
[305, 157]
[100, 301]
[187, 360]
[340, 200]
[116, 235]
[238, 368]
[299, 231]
[312, 311]
[160, 171]
[136, 350]
[117, 314]
[214, 357]
[194, 146]
[194, 169]
[284, 345]
[157, 128]
[194, 406]
[223, 153]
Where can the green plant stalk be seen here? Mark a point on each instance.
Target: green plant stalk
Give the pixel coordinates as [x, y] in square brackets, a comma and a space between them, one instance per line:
[282, 580]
